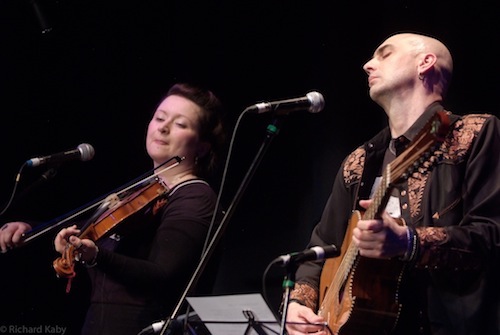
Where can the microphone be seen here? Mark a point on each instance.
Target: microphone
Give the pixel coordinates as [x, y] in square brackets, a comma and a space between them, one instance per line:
[313, 254]
[83, 152]
[153, 328]
[176, 324]
[313, 102]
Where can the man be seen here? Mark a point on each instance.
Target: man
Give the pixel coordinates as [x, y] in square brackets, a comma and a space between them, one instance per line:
[441, 227]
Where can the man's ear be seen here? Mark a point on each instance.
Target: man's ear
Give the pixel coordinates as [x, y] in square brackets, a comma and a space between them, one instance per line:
[426, 64]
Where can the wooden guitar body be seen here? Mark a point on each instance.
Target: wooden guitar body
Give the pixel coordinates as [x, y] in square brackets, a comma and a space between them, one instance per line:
[359, 295]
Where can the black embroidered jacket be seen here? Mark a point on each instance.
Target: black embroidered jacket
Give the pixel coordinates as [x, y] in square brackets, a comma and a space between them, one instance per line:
[452, 283]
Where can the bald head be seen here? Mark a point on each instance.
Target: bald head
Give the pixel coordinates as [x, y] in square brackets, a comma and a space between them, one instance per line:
[442, 70]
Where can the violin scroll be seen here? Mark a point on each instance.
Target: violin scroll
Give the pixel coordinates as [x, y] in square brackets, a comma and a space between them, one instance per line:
[65, 265]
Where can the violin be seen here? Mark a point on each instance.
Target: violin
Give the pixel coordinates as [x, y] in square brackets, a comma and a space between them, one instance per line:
[113, 212]
[151, 197]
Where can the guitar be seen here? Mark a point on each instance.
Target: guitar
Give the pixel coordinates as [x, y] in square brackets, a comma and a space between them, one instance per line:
[360, 295]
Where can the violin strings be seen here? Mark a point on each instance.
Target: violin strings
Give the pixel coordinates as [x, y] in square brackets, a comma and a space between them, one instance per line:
[178, 161]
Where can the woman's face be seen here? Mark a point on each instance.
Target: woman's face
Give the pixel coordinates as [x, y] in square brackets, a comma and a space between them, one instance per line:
[174, 131]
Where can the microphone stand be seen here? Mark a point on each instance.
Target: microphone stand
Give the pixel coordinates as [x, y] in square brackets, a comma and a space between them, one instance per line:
[46, 176]
[271, 131]
[288, 284]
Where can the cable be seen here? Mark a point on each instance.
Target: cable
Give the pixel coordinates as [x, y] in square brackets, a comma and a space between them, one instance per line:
[16, 183]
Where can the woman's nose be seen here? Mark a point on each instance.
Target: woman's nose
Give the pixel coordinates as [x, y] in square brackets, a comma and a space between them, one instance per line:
[163, 127]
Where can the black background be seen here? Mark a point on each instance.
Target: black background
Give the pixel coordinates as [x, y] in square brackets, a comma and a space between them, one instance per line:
[97, 76]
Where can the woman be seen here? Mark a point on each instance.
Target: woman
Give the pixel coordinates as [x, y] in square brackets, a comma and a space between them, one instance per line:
[139, 274]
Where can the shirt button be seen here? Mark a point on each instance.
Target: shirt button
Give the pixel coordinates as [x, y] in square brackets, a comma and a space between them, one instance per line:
[405, 206]
[403, 193]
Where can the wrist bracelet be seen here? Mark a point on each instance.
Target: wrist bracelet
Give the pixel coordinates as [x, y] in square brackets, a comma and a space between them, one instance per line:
[411, 246]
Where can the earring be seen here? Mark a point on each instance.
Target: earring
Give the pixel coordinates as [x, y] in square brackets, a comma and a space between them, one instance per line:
[420, 76]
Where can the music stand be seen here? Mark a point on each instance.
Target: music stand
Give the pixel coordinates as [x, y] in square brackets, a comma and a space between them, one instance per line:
[239, 314]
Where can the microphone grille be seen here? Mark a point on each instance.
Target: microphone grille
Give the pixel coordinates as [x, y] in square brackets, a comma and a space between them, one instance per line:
[87, 151]
[317, 101]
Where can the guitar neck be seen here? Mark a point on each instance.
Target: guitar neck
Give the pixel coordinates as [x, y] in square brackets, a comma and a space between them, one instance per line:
[380, 197]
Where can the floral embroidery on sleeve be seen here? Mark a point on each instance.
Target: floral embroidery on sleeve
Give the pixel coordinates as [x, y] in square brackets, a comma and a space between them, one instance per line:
[305, 293]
